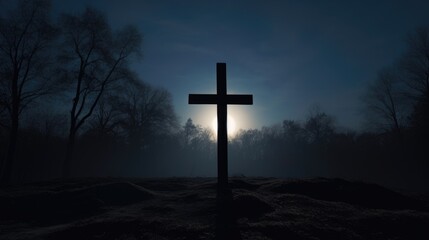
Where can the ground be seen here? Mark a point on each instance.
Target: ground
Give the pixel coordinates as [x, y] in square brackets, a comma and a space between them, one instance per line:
[187, 208]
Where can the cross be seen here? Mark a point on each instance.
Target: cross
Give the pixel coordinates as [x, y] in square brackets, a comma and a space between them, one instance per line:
[222, 99]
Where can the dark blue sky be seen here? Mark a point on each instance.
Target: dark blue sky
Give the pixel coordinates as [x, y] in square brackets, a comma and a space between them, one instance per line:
[290, 55]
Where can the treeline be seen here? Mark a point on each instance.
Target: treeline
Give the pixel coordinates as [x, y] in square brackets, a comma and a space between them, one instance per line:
[67, 91]
[316, 147]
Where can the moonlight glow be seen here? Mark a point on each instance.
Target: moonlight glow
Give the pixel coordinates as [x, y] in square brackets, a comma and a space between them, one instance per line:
[231, 126]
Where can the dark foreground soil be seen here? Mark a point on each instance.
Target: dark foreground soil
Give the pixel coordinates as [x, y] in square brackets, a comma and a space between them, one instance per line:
[187, 208]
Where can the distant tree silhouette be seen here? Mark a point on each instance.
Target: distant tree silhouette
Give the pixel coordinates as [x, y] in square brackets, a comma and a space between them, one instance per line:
[385, 102]
[94, 59]
[106, 119]
[190, 131]
[100, 142]
[415, 63]
[247, 151]
[25, 60]
[293, 132]
[198, 148]
[398, 104]
[319, 126]
[398, 100]
[145, 112]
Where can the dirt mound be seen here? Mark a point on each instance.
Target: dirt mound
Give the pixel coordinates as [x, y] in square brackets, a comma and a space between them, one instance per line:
[250, 205]
[163, 185]
[239, 183]
[119, 193]
[339, 190]
[73, 204]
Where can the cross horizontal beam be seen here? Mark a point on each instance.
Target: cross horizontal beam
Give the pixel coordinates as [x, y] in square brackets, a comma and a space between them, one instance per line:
[237, 99]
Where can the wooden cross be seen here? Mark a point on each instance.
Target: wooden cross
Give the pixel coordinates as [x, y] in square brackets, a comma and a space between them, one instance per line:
[222, 99]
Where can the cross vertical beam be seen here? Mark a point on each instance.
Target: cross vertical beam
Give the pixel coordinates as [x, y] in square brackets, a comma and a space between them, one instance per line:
[222, 130]
[221, 99]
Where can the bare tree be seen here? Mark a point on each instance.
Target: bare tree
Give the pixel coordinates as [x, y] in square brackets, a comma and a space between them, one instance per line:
[25, 37]
[319, 125]
[292, 131]
[106, 119]
[190, 131]
[94, 59]
[146, 112]
[415, 63]
[385, 101]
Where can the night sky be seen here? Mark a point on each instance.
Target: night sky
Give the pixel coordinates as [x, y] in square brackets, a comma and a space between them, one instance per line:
[291, 55]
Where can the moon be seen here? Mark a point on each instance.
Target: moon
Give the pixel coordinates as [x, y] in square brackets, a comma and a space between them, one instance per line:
[231, 128]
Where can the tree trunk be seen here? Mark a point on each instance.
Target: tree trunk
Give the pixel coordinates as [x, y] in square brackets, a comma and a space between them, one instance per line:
[10, 156]
[13, 134]
[11, 151]
[69, 152]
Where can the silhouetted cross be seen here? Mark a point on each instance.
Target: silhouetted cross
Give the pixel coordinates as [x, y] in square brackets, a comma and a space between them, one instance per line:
[222, 100]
